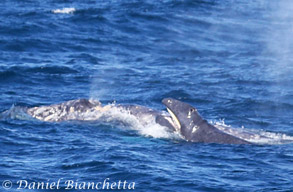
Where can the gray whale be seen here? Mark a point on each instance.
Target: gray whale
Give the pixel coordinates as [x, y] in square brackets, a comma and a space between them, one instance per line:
[182, 121]
[194, 128]
[182, 118]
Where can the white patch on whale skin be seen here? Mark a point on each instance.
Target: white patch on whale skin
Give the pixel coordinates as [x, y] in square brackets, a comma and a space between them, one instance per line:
[194, 129]
[189, 115]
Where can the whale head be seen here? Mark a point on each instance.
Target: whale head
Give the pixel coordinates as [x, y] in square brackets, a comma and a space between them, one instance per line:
[184, 116]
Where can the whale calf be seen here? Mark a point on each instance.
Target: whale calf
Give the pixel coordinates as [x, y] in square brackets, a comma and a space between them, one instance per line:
[194, 128]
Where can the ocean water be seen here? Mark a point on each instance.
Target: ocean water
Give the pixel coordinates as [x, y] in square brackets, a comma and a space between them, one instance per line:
[230, 59]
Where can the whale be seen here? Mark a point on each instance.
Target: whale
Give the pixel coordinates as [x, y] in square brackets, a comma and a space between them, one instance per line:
[192, 127]
[180, 118]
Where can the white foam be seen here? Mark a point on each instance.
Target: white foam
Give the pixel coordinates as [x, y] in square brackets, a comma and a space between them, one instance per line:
[255, 136]
[64, 10]
[145, 126]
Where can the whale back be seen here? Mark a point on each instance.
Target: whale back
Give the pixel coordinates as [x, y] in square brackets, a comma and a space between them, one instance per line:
[70, 110]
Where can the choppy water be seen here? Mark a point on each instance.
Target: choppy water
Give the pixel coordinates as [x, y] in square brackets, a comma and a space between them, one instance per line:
[230, 59]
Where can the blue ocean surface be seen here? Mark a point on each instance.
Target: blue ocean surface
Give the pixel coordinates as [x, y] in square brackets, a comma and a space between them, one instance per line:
[232, 60]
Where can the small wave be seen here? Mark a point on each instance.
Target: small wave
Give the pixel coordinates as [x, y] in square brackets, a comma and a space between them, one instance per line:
[15, 112]
[68, 10]
[44, 69]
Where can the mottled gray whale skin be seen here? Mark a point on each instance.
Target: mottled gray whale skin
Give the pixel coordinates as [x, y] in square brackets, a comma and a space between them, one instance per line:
[80, 109]
[92, 110]
[194, 128]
